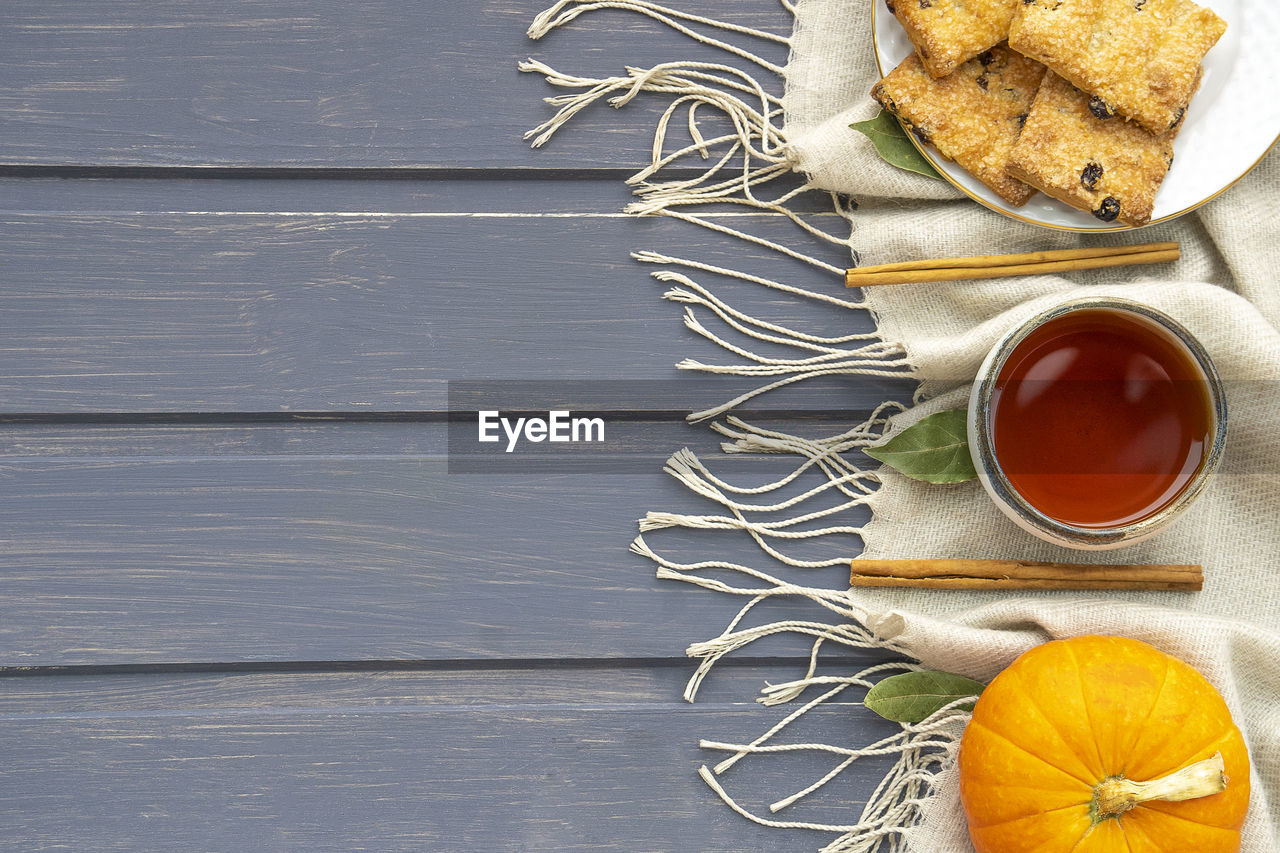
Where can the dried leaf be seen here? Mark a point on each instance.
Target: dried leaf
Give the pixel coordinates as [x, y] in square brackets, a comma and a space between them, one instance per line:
[892, 144]
[913, 696]
[935, 450]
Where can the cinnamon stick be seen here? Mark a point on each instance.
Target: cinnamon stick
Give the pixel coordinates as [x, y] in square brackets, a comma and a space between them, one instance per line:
[1000, 266]
[1022, 574]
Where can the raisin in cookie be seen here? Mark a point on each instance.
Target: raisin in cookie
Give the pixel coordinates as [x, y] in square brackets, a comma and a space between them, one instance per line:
[1140, 58]
[947, 33]
[972, 116]
[1107, 166]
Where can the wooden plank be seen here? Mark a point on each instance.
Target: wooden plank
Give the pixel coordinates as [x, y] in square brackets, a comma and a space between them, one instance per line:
[287, 312]
[552, 759]
[636, 443]
[289, 686]
[258, 556]
[320, 83]
[494, 191]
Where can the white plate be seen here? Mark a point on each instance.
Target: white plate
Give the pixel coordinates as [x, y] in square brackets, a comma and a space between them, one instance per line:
[1233, 121]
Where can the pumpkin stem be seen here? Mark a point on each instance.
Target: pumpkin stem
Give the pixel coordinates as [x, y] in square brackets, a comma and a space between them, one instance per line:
[1114, 797]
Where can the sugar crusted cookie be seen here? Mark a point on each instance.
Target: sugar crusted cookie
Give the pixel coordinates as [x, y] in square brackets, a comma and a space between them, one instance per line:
[1107, 166]
[972, 116]
[1140, 58]
[947, 33]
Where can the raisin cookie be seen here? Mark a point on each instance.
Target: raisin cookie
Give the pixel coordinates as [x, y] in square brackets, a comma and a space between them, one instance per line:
[947, 33]
[972, 116]
[1140, 58]
[1107, 166]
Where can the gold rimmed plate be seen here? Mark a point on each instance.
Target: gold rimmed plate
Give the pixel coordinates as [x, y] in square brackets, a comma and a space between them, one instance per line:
[1233, 121]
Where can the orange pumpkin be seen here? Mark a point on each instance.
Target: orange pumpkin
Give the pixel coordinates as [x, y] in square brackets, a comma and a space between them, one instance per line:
[1102, 744]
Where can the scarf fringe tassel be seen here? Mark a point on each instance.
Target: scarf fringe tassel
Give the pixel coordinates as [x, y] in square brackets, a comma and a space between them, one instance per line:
[741, 165]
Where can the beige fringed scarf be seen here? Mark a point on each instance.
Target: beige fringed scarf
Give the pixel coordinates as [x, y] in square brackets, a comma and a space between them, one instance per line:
[1225, 289]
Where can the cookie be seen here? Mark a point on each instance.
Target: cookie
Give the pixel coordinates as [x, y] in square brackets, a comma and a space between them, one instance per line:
[947, 33]
[1140, 58]
[972, 116]
[1107, 166]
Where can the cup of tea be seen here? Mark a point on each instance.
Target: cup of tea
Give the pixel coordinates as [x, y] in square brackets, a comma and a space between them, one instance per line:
[1097, 422]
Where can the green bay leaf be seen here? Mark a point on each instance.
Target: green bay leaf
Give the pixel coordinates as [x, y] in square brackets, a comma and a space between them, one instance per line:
[913, 696]
[893, 145]
[935, 449]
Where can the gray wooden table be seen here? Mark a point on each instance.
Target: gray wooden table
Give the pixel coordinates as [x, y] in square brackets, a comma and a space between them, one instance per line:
[246, 604]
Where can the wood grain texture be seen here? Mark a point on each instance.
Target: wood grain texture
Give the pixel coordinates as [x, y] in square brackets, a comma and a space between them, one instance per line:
[650, 439]
[510, 760]
[321, 83]
[220, 558]
[503, 192]
[248, 606]
[296, 312]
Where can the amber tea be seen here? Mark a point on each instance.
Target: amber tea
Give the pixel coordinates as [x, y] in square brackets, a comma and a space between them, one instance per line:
[1099, 418]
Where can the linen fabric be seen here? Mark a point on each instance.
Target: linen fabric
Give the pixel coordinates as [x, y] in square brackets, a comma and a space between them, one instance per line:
[1224, 289]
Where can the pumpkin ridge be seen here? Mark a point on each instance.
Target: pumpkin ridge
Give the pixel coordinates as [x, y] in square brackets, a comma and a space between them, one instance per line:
[992, 790]
[1181, 762]
[1164, 683]
[1029, 816]
[1088, 711]
[1167, 813]
[1041, 788]
[1190, 709]
[1113, 833]
[1073, 777]
[1161, 807]
[1163, 815]
[1128, 848]
[1080, 840]
[1132, 828]
[1032, 701]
